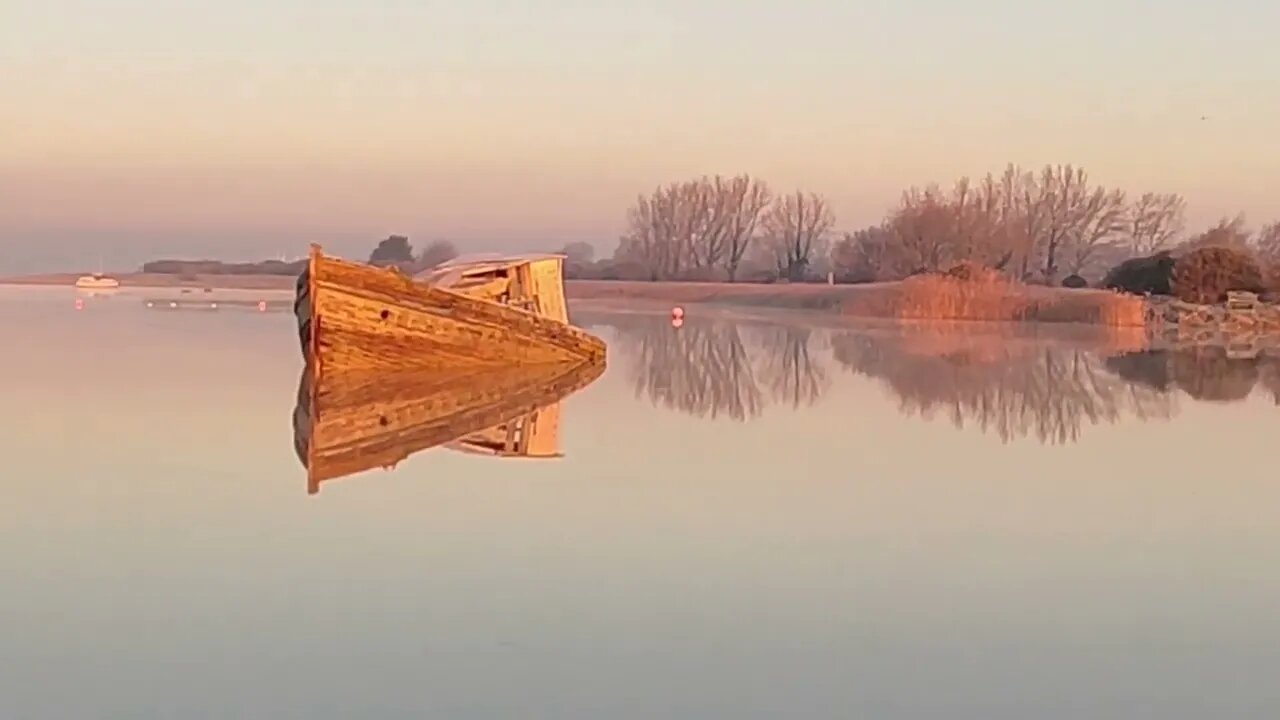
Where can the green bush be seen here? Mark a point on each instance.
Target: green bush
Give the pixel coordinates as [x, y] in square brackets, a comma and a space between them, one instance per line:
[1143, 275]
[1075, 282]
[1206, 274]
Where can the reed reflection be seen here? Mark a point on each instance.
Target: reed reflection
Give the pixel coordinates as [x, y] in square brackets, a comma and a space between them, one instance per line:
[1013, 387]
[355, 421]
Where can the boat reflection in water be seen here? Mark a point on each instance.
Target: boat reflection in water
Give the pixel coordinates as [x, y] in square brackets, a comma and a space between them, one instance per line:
[348, 422]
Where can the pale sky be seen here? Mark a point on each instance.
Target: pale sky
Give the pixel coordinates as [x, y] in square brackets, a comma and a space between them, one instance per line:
[248, 128]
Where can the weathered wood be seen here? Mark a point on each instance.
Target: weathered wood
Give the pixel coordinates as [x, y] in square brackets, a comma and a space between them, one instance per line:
[359, 317]
[1239, 300]
[348, 422]
[533, 435]
[534, 282]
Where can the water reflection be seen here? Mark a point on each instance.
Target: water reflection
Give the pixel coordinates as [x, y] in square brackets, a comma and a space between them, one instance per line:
[701, 368]
[1009, 386]
[1208, 374]
[714, 369]
[352, 422]
[1013, 382]
[788, 367]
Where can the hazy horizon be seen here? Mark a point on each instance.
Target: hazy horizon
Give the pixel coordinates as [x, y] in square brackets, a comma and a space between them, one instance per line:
[246, 130]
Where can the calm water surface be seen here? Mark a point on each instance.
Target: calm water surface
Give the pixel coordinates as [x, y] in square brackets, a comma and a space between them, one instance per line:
[750, 520]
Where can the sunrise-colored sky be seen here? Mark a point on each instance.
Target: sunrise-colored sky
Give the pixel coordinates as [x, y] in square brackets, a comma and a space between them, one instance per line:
[247, 128]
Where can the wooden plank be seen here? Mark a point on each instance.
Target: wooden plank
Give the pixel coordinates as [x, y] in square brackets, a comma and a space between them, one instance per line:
[547, 284]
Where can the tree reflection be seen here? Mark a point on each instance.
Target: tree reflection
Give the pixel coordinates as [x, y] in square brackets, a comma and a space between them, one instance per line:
[1014, 390]
[719, 368]
[701, 368]
[787, 367]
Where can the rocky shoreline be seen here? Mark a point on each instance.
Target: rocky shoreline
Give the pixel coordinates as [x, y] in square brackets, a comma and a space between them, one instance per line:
[1244, 325]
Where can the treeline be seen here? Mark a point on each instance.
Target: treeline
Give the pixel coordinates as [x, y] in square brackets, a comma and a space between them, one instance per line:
[1034, 226]
[396, 251]
[216, 267]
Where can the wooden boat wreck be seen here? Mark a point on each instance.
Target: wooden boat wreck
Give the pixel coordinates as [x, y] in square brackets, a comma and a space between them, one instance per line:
[488, 312]
[345, 423]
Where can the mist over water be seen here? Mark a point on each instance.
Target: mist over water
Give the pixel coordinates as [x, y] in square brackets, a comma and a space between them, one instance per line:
[751, 519]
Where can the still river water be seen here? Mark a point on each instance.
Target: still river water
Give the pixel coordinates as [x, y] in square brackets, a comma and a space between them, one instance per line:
[750, 520]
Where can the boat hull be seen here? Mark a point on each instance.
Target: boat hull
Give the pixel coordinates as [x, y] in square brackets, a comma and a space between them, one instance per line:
[354, 317]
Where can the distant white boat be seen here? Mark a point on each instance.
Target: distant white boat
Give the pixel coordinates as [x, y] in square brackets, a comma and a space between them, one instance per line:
[97, 281]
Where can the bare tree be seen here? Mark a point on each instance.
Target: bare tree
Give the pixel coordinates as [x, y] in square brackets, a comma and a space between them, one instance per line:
[1100, 221]
[1154, 222]
[1062, 190]
[863, 255]
[747, 201]
[795, 230]
[1227, 233]
[698, 211]
[983, 223]
[695, 228]
[652, 239]
[1267, 244]
[922, 230]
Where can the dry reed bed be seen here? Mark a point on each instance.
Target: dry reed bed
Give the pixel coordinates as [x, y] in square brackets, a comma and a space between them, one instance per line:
[925, 297]
[999, 342]
[994, 299]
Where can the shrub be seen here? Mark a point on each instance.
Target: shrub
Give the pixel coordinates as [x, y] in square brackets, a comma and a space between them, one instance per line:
[1143, 275]
[1206, 274]
[1074, 282]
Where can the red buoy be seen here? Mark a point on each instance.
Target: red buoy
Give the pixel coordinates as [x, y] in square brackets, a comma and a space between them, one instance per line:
[262, 306]
[677, 322]
[79, 303]
[677, 313]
